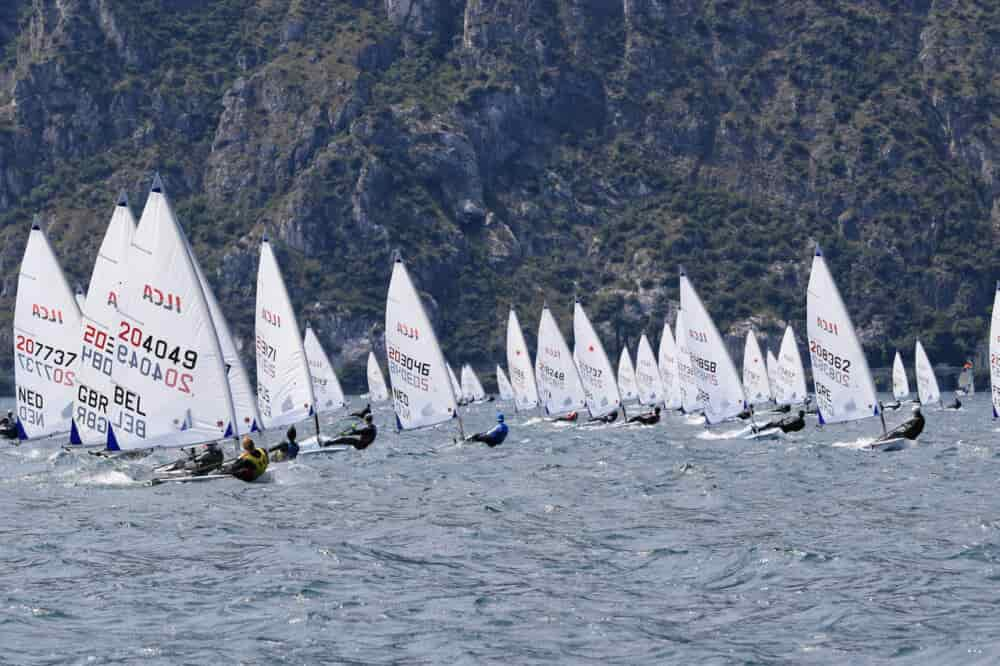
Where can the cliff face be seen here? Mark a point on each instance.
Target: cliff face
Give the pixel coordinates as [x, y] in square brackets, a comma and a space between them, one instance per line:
[512, 147]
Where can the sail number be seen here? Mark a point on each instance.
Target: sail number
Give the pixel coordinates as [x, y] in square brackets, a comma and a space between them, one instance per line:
[835, 367]
[408, 370]
[34, 348]
[158, 347]
[828, 326]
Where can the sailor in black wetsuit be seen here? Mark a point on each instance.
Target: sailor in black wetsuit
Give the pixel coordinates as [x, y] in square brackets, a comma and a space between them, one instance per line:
[909, 429]
[607, 418]
[494, 436]
[8, 426]
[649, 418]
[287, 450]
[358, 437]
[364, 412]
[955, 404]
[787, 424]
[199, 464]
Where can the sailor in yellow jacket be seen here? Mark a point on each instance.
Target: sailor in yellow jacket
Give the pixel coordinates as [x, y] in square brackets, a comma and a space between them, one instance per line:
[251, 463]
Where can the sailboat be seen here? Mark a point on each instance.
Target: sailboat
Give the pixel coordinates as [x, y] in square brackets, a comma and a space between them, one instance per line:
[284, 385]
[966, 380]
[504, 387]
[596, 374]
[791, 375]
[626, 377]
[669, 372]
[377, 391]
[900, 383]
[995, 354]
[47, 323]
[772, 370]
[170, 385]
[472, 388]
[647, 374]
[845, 390]
[326, 385]
[755, 383]
[719, 388]
[522, 372]
[558, 378]
[422, 392]
[456, 386]
[91, 408]
[927, 384]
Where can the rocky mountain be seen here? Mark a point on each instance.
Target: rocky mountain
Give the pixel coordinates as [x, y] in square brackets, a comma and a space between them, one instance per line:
[511, 148]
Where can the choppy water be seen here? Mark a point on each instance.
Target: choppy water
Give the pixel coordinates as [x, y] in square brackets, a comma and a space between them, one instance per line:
[656, 545]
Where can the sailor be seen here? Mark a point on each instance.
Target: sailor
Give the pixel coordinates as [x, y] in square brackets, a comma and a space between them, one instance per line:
[287, 450]
[207, 461]
[607, 418]
[955, 404]
[649, 418]
[251, 463]
[571, 417]
[8, 426]
[358, 437]
[787, 424]
[364, 412]
[494, 436]
[892, 405]
[910, 429]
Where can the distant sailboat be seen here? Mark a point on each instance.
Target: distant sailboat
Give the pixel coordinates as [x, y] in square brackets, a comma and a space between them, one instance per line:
[791, 375]
[472, 388]
[456, 386]
[596, 374]
[170, 382]
[377, 391]
[772, 375]
[504, 387]
[95, 392]
[900, 383]
[326, 385]
[422, 392]
[647, 374]
[47, 323]
[995, 353]
[720, 391]
[927, 384]
[966, 380]
[755, 383]
[626, 377]
[669, 372]
[284, 385]
[558, 378]
[845, 390]
[522, 372]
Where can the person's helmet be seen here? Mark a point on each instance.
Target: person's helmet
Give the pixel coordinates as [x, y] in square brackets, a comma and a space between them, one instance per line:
[916, 410]
[368, 418]
[657, 410]
[499, 418]
[802, 413]
[291, 433]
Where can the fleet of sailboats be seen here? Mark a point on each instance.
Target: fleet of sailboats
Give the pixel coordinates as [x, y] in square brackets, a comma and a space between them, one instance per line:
[150, 332]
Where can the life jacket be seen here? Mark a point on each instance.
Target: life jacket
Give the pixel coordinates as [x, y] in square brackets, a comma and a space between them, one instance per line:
[257, 459]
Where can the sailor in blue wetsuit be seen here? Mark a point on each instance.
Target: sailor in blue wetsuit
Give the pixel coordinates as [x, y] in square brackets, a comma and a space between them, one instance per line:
[494, 436]
[287, 450]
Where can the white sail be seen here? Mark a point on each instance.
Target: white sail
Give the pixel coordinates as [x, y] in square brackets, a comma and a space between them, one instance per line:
[596, 373]
[326, 385]
[422, 392]
[558, 378]
[170, 384]
[685, 369]
[755, 383]
[284, 386]
[772, 376]
[900, 384]
[472, 388]
[504, 386]
[456, 386]
[244, 399]
[377, 390]
[522, 373]
[47, 324]
[626, 377]
[845, 390]
[927, 385]
[647, 374]
[967, 380]
[95, 392]
[791, 375]
[669, 372]
[995, 353]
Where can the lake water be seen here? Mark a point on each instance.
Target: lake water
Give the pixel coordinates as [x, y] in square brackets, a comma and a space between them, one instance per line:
[667, 544]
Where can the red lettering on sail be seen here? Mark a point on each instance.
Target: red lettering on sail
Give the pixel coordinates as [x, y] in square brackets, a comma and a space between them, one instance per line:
[46, 313]
[167, 301]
